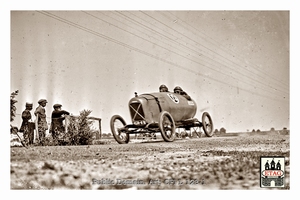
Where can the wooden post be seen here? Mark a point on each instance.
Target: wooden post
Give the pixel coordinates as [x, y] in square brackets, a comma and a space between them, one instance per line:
[67, 122]
[36, 135]
[98, 136]
[100, 130]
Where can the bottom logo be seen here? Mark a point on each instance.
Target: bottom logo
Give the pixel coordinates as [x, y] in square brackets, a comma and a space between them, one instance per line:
[272, 171]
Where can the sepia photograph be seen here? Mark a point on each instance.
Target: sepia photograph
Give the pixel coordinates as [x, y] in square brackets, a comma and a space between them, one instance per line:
[149, 99]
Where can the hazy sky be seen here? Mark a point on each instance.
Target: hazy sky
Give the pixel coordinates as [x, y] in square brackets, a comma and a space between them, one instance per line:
[234, 64]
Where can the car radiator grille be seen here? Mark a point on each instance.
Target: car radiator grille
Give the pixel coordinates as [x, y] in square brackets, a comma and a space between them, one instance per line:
[136, 111]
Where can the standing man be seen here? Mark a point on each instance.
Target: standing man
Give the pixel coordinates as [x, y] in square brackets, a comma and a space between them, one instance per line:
[26, 126]
[40, 113]
[57, 119]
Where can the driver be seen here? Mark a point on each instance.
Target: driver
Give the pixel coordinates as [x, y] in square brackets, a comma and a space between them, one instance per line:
[163, 88]
[179, 90]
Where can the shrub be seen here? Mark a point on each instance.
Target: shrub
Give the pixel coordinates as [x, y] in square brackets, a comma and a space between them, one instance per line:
[12, 105]
[222, 130]
[79, 131]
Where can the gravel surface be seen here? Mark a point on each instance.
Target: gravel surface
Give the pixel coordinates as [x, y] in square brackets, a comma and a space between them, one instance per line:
[196, 163]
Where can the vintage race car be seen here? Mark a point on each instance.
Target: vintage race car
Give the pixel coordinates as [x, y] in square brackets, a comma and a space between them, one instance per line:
[162, 112]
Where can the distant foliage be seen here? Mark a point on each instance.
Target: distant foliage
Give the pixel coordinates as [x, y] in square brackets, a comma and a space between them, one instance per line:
[222, 130]
[12, 105]
[285, 131]
[106, 135]
[216, 132]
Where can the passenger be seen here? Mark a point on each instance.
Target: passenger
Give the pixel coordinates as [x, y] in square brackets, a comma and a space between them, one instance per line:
[179, 90]
[57, 119]
[163, 88]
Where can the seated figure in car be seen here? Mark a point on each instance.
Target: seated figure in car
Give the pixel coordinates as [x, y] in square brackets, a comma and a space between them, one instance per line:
[163, 88]
[179, 90]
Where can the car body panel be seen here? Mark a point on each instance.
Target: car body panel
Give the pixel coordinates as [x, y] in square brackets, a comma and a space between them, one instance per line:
[145, 108]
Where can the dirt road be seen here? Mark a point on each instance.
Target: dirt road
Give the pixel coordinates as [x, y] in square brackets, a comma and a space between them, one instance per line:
[197, 163]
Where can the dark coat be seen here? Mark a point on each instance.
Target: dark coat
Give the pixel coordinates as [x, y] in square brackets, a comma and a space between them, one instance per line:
[57, 120]
[26, 116]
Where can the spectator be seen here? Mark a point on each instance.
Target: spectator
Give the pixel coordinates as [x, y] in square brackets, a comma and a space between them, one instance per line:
[27, 127]
[40, 114]
[57, 119]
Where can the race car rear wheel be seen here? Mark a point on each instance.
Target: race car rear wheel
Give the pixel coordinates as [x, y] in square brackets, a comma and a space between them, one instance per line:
[167, 126]
[116, 124]
[207, 124]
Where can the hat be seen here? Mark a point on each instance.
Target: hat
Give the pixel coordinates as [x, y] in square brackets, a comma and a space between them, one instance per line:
[178, 88]
[42, 100]
[57, 105]
[162, 86]
[28, 104]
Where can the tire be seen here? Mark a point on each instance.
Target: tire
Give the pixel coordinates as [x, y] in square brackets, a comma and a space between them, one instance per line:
[116, 123]
[167, 126]
[207, 124]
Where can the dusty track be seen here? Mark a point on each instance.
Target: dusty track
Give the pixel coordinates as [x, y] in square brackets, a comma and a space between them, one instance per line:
[198, 163]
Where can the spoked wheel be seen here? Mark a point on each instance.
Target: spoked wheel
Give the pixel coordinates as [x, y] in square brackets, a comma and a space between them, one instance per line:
[116, 125]
[167, 126]
[207, 124]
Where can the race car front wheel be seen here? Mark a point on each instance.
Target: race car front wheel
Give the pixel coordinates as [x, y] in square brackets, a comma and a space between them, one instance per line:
[167, 126]
[116, 125]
